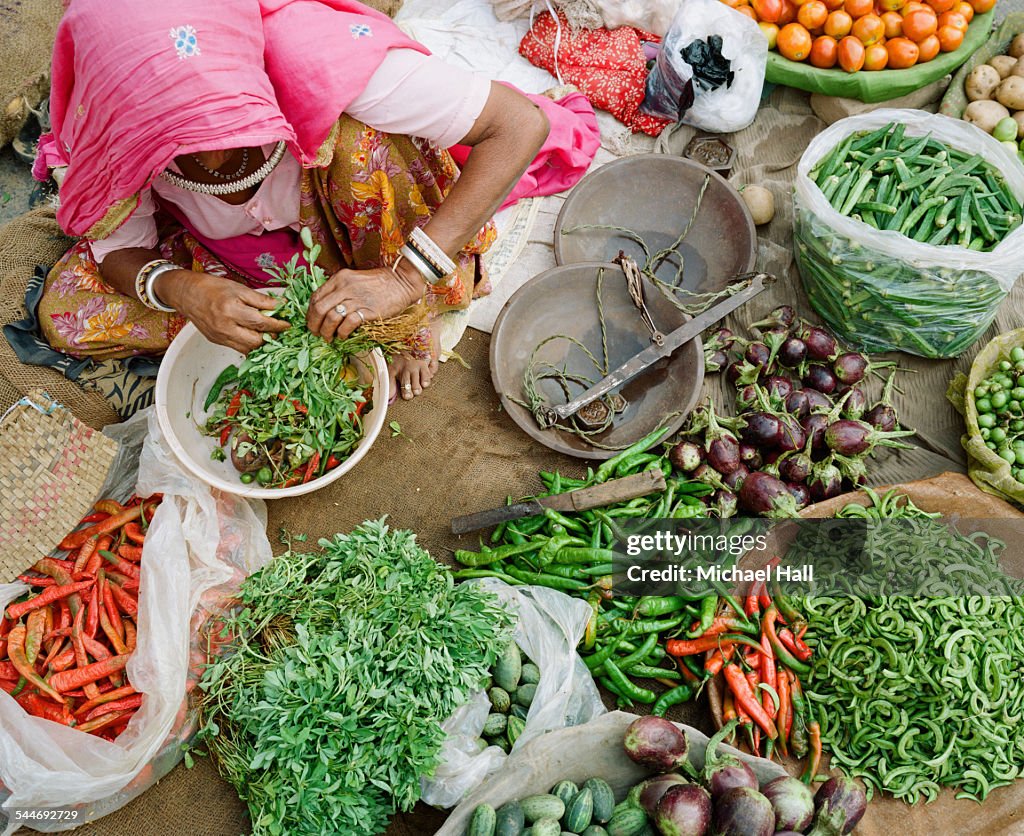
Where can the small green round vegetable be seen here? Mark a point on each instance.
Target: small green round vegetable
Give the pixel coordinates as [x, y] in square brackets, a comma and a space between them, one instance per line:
[986, 420]
[998, 435]
[245, 478]
[531, 673]
[1007, 455]
[1017, 354]
[983, 405]
[999, 399]
[265, 475]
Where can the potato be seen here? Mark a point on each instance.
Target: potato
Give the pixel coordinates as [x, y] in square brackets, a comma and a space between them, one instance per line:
[1011, 92]
[982, 82]
[1018, 117]
[985, 115]
[1017, 47]
[760, 202]
[1017, 68]
[1004, 64]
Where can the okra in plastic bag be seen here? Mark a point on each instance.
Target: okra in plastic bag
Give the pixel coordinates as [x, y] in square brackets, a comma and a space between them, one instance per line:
[881, 289]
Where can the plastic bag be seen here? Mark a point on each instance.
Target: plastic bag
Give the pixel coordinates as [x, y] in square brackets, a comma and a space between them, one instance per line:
[550, 626]
[987, 469]
[199, 547]
[654, 16]
[721, 108]
[882, 291]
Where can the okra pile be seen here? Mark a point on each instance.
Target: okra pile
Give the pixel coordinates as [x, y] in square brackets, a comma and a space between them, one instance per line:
[919, 187]
[932, 194]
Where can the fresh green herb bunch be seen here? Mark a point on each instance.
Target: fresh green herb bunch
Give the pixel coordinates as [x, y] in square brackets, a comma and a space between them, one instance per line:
[327, 712]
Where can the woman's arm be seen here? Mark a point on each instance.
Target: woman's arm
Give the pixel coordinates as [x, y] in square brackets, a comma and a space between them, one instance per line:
[505, 139]
[226, 312]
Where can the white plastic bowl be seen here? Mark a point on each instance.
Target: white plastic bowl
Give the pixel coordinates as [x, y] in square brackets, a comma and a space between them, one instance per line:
[187, 372]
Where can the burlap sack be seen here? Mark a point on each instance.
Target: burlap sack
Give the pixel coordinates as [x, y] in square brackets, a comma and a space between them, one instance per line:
[26, 242]
[27, 31]
[388, 7]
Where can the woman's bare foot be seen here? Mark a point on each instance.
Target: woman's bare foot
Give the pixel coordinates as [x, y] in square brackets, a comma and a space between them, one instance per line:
[411, 375]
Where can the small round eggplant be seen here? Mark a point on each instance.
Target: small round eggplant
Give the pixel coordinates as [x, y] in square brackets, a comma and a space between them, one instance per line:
[686, 456]
[815, 426]
[793, 352]
[734, 479]
[821, 345]
[840, 803]
[744, 812]
[724, 504]
[856, 403]
[767, 496]
[792, 801]
[779, 388]
[758, 355]
[684, 810]
[750, 456]
[656, 743]
[851, 367]
[817, 401]
[791, 434]
[651, 791]
[724, 453]
[800, 494]
[821, 378]
[762, 429]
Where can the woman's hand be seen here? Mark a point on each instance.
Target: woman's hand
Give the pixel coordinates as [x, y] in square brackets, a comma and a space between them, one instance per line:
[226, 312]
[364, 295]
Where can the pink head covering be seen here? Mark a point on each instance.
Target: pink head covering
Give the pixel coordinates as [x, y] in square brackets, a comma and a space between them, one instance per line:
[136, 84]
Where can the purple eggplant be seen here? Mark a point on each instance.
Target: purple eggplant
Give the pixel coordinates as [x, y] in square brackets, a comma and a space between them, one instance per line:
[744, 812]
[725, 772]
[818, 401]
[684, 810]
[647, 794]
[821, 378]
[800, 494]
[747, 397]
[840, 804]
[821, 345]
[791, 434]
[762, 429]
[792, 802]
[758, 355]
[655, 743]
[715, 361]
[856, 403]
[851, 367]
[852, 438]
[778, 388]
[686, 456]
[783, 316]
[724, 504]
[815, 426]
[854, 470]
[882, 416]
[741, 373]
[720, 339]
[767, 496]
[723, 454]
[797, 403]
[750, 456]
[825, 480]
[793, 352]
[734, 479]
[797, 468]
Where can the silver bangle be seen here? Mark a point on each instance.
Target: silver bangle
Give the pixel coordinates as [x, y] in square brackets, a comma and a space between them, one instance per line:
[144, 283]
[437, 258]
[417, 261]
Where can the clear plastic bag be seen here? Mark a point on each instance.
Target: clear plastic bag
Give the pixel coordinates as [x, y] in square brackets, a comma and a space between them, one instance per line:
[550, 625]
[199, 547]
[653, 16]
[730, 107]
[882, 291]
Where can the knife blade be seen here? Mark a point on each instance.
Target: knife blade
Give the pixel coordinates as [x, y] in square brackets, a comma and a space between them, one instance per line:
[650, 355]
[607, 493]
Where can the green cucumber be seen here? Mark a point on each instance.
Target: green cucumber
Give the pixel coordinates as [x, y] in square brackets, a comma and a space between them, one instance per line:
[525, 695]
[580, 812]
[495, 724]
[530, 675]
[604, 799]
[514, 729]
[500, 700]
[519, 711]
[509, 820]
[483, 821]
[536, 807]
[546, 827]
[508, 668]
[631, 822]
[565, 790]
[595, 830]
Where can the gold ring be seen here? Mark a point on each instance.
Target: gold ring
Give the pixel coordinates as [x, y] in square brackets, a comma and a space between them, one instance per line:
[340, 310]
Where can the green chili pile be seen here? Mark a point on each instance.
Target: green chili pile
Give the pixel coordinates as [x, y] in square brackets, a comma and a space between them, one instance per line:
[918, 693]
[573, 553]
[930, 193]
[327, 711]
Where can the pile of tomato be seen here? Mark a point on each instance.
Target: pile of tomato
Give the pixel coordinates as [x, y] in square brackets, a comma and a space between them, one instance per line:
[862, 34]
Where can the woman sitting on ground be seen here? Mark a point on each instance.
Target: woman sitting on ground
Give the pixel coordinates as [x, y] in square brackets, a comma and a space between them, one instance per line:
[199, 137]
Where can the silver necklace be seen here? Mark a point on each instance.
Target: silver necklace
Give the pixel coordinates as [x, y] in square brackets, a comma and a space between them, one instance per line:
[258, 176]
[219, 174]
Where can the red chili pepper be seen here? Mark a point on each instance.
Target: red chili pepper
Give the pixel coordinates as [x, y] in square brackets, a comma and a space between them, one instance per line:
[785, 716]
[361, 407]
[125, 602]
[88, 674]
[38, 707]
[47, 596]
[32, 580]
[236, 402]
[130, 636]
[84, 553]
[746, 699]
[129, 551]
[798, 647]
[688, 647]
[103, 721]
[332, 461]
[110, 607]
[103, 699]
[63, 660]
[814, 758]
[768, 677]
[16, 650]
[92, 613]
[225, 434]
[133, 531]
[314, 463]
[718, 659]
[81, 657]
[113, 523]
[122, 565]
[94, 517]
[755, 733]
[721, 624]
[112, 635]
[133, 701]
[782, 653]
[294, 480]
[750, 604]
